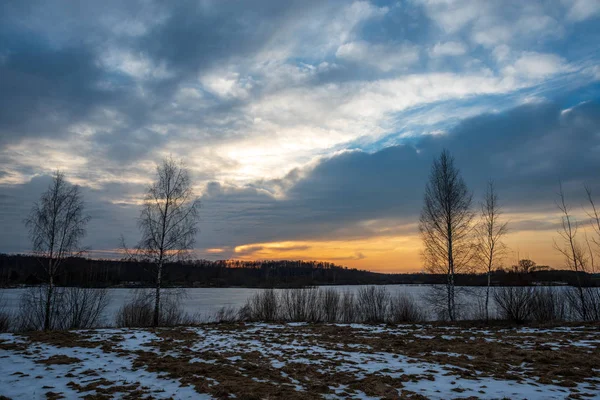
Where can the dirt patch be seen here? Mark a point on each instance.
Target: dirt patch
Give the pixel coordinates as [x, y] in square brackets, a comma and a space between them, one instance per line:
[59, 359]
[61, 338]
[54, 396]
[105, 389]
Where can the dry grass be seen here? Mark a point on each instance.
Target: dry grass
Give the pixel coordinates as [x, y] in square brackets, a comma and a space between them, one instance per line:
[59, 359]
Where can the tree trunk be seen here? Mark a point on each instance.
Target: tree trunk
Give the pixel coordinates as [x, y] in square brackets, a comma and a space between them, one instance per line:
[451, 304]
[452, 309]
[156, 320]
[487, 297]
[49, 294]
[584, 310]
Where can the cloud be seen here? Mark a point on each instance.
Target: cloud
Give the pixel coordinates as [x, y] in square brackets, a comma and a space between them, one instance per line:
[37, 95]
[491, 23]
[582, 9]
[383, 57]
[448, 49]
[534, 66]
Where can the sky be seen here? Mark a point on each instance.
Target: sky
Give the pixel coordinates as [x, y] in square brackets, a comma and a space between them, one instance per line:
[309, 127]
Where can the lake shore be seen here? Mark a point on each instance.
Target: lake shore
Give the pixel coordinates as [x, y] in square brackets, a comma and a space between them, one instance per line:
[300, 361]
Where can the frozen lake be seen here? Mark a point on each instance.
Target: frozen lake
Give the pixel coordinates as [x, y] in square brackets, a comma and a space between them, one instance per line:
[204, 302]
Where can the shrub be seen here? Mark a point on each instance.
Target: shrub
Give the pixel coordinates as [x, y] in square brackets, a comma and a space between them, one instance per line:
[584, 303]
[263, 306]
[300, 305]
[514, 303]
[71, 308]
[83, 308]
[139, 310]
[347, 311]
[226, 315]
[474, 308]
[436, 297]
[5, 317]
[593, 296]
[5, 321]
[330, 304]
[372, 304]
[548, 304]
[32, 308]
[403, 308]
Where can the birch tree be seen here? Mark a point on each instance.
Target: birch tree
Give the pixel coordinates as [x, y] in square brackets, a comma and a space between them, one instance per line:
[446, 225]
[168, 221]
[490, 233]
[56, 226]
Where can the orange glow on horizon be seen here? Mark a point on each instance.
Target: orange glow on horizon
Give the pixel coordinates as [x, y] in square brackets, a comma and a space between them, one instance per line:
[215, 251]
[389, 252]
[394, 254]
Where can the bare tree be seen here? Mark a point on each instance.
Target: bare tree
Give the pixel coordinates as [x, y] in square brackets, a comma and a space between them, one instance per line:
[168, 221]
[526, 266]
[594, 215]
[56, 226]
[593, 294]
[572, 251]
[446, 225]
[490, 233]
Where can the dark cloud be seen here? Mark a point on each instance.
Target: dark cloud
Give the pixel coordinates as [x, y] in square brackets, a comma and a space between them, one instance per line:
[52, 78]
[196, 35]
[44, 90]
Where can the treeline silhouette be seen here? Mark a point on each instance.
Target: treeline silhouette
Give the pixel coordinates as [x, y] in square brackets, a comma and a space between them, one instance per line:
[18, 270]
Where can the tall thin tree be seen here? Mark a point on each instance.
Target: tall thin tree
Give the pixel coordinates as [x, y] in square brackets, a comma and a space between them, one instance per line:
[168, 221]
[446, 225]
[594, 215]
[490, 233]
[571, 249]
[56, 226]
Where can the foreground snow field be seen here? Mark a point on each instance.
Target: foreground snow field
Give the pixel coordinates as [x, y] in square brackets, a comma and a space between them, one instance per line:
[303, 361]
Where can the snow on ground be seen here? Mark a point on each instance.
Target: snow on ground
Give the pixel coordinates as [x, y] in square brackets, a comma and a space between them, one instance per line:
[25, 375]
[303, 361]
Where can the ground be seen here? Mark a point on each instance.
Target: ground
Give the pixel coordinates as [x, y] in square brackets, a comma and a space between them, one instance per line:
[303, 361]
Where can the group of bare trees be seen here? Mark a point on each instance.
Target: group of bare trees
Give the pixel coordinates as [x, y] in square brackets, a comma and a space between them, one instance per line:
[57, 225]
[457, 240]
[453, 242]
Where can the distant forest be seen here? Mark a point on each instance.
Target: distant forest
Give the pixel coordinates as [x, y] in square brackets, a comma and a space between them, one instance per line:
[16, 270]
